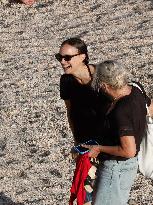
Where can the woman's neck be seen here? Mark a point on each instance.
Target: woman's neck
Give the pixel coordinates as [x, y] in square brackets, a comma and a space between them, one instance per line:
[82, 75]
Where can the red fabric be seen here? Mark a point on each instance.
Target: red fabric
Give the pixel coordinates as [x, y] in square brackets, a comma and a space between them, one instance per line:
[77, 190]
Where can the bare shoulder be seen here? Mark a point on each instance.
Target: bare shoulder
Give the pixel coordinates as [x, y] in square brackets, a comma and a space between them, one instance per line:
[92, 68]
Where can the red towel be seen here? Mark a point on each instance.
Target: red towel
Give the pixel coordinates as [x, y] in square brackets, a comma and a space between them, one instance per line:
[81, 172]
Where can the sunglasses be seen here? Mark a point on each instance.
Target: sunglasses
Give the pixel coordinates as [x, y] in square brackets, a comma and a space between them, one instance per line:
[59, 57]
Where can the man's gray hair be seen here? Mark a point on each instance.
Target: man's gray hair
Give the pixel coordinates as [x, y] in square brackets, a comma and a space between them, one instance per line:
[112, 73]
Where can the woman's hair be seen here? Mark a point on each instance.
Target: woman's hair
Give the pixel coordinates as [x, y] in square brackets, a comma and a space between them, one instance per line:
[80, 45]
[112, 73]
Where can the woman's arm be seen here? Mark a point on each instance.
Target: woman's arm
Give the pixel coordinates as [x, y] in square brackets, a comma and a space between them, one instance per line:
[68, 107]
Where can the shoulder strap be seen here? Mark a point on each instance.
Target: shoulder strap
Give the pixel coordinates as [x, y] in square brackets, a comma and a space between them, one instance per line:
[136, 85]
[90, 72]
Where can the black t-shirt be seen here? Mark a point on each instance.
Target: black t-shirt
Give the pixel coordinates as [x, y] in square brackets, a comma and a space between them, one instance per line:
[86, 109]
[127, 118]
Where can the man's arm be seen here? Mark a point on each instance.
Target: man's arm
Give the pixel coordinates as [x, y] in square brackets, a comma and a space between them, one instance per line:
[126, 149]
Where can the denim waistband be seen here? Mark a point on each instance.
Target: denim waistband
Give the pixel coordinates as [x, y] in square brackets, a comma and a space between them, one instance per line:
[104, 157]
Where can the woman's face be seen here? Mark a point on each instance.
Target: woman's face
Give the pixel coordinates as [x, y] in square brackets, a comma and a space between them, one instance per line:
[74, 61]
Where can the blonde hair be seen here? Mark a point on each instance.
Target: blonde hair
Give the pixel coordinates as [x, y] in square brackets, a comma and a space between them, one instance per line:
[112, 73]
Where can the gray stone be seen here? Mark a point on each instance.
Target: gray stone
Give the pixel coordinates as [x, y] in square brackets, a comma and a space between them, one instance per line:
[35, 139]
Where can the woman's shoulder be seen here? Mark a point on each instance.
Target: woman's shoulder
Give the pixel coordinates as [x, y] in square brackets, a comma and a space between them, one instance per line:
[67, 78]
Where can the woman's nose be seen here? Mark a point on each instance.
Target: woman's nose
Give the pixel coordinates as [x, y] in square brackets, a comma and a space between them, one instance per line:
[63, 61]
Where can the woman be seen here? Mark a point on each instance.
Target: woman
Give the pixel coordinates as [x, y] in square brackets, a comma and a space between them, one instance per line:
[123, 130]
[75, 89]
[80, 99]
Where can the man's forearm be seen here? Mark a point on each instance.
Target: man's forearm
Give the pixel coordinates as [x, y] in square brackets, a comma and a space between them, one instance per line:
[116, 151]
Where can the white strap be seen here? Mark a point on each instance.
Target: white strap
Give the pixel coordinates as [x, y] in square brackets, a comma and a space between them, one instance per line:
[136, 85]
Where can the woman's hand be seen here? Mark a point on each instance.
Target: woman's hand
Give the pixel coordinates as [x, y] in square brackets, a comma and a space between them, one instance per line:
[94, 150]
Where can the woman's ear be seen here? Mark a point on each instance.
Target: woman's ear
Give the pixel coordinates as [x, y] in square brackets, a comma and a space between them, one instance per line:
[83, 56]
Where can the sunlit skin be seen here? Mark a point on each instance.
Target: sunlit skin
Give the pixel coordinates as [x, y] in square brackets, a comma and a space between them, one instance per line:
[28, 2]
[71, 67]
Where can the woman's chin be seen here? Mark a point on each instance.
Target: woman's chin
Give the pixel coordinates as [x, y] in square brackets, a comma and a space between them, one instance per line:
[68, 71]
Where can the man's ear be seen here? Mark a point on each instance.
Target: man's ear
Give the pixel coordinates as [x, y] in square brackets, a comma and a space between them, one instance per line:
[106, 87]
[103, 86]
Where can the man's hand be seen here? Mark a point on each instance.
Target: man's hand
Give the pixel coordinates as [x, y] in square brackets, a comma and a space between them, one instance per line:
[94, 150]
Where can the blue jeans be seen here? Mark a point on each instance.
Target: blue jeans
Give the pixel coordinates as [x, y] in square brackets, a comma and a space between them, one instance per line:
[114, 182]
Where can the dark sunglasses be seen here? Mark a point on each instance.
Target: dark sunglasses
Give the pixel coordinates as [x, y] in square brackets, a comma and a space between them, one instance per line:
[59, 57]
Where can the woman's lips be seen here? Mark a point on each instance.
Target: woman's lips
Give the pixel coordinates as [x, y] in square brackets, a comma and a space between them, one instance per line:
[66, 68]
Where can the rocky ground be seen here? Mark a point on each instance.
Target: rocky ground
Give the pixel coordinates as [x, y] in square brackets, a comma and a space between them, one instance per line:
[35, 140]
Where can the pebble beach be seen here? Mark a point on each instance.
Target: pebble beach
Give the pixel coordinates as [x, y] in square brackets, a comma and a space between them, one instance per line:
[36, 167]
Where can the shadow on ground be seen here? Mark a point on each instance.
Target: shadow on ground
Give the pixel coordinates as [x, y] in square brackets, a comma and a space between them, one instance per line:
[4, 200]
